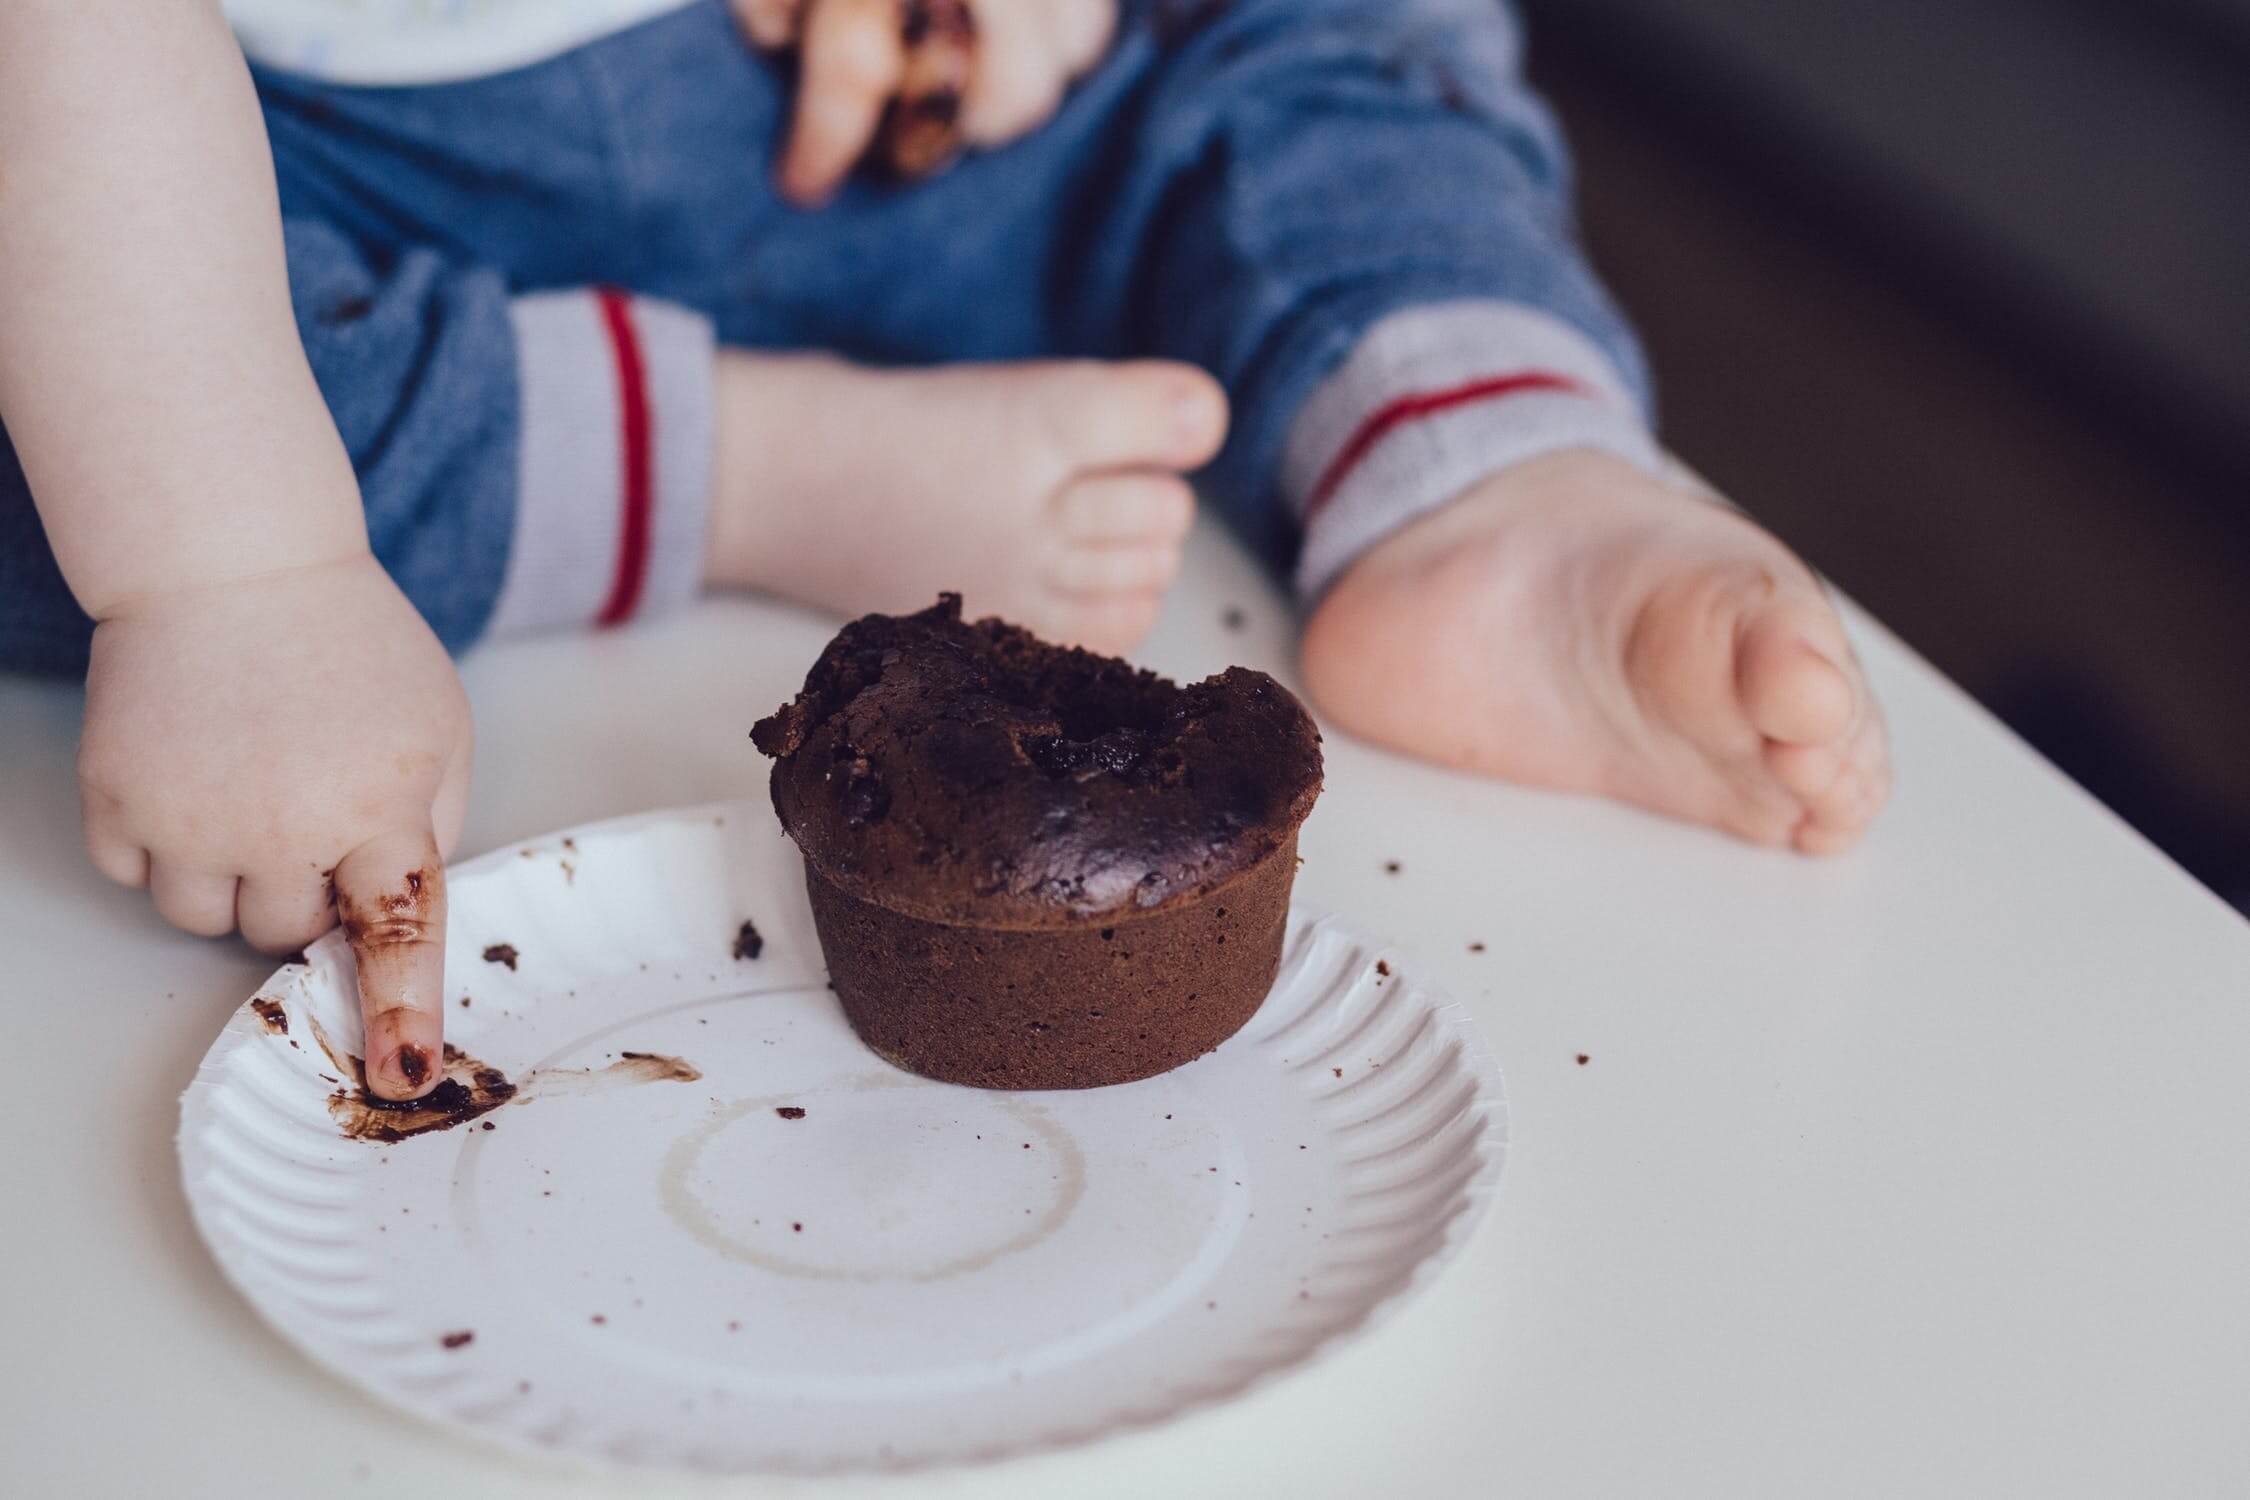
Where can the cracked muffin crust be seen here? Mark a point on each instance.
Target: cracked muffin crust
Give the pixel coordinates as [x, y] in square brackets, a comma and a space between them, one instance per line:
[1036, 867]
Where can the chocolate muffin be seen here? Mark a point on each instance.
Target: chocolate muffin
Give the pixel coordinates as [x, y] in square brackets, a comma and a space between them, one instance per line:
[1033, 867]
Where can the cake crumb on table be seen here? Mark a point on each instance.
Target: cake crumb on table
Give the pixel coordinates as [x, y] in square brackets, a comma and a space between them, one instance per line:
[790, 1112]
[748, 944]
[502, 953]
[1583, 1059]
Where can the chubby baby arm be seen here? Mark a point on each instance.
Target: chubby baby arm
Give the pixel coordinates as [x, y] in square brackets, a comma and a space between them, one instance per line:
[265, 711]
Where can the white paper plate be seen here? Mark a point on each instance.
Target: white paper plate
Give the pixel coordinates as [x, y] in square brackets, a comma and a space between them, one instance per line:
[660, 1270]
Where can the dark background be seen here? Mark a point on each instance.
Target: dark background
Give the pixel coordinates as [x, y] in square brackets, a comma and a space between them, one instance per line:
[1955, 295]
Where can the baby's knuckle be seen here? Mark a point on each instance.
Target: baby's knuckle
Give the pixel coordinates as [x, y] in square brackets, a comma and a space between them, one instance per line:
[386, 932]
[100, 782]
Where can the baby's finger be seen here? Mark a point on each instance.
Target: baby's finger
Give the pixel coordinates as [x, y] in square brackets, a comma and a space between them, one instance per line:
[922, 132]
[109, 842]
[770, 24]
[853, 56]
[192, 900]
[390, 896]
[1018, 79]
[1081, 30]
[117, 857]
[285, 912]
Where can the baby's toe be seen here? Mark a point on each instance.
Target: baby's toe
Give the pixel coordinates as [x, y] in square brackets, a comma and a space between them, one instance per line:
[1845, 800]
[1136, 414]
[1130, 568]
[1110, 623]
[1755, 807]
[1104, 509]
[1809, 773]
[1795, 674]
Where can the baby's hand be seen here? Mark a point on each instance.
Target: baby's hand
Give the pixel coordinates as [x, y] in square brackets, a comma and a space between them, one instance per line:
[249, 743]
[926, 74]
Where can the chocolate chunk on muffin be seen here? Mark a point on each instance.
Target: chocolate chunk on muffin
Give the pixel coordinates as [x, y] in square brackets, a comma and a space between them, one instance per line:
[1032, 867]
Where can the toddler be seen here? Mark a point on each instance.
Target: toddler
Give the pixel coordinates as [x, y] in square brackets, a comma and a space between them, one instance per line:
[463, 318]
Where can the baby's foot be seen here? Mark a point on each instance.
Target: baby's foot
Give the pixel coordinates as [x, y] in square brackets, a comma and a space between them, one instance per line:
[1574, 623]
[1048, 493]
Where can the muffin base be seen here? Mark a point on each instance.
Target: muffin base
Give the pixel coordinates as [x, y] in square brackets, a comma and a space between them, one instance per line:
[1056, 1008]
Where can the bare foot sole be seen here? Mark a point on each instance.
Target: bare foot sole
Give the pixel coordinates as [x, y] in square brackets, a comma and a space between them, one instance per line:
[1048, 492]
[1573, 622]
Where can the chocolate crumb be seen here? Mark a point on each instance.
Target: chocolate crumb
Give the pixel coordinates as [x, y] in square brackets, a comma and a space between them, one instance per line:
[490, 1126]
[1476, 947]
[1339, 1072]
[747, 943]
[464, 1002]
[1234, 618]
[1583, 1059]
[502, 953]
[733, 1326]
[790, 1112]
[799, 1228]
[457, 1339]
[1382, 968]
[598, 1318]
[1392, 867]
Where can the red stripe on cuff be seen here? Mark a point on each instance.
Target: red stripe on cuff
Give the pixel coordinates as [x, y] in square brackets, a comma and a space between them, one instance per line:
[1421, 404]
[639, 483]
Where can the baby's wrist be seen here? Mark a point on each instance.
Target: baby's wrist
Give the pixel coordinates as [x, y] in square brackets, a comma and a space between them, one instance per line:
[185, 590]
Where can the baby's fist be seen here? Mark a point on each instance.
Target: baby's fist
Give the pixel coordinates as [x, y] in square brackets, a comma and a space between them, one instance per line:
[248, 744]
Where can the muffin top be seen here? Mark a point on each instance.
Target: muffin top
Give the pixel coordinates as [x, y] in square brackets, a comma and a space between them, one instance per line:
[974, 774]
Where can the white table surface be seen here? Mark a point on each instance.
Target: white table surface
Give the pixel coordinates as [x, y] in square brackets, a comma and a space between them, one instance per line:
[1923, 1171]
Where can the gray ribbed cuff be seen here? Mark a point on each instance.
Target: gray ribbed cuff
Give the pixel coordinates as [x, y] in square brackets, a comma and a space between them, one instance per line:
[1430, 401]
[616, 398]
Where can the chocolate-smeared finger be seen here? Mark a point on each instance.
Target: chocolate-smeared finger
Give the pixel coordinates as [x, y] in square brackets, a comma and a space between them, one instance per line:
[852, 60]
[390, 898]
[770, 24]
[922, 127]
